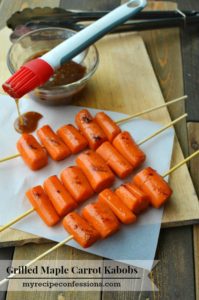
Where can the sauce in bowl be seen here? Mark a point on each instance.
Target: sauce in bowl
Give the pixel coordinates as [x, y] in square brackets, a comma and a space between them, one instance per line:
[68, 73]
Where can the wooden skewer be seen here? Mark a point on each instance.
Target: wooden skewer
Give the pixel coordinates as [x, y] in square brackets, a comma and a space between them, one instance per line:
[70, 237]
[180, 164]
[141, 142]
[118, 121]
[151, 109]
[28, 212]
[9, 157]
[162, 129]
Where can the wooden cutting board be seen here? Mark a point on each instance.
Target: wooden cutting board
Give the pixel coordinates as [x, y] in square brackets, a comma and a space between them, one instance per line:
[125, 82]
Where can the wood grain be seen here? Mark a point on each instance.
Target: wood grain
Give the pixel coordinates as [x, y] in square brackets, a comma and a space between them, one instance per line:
[190, 46]
[196, 258]
[162, 45]
[14, 237]
[176, 264]
[89, 4]
[193, 134]
[66, 253]
[175, 267]
[8, 7]
[5, 254]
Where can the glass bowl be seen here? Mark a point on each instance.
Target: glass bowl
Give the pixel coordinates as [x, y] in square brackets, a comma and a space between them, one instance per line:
[43, 39]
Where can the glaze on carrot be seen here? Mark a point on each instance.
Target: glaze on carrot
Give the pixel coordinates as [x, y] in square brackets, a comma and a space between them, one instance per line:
[53, 144]
[125, 144]
[96, 170]
[59, 196]
[90, 129]
[153, 185]
[101, 218]
[128, 199]
[72, 138]
[76, 183]
[110, 128]
[42, 205]
[33, 154]
[115, 160]
[123, 213]
[80, 229]
[139, 195]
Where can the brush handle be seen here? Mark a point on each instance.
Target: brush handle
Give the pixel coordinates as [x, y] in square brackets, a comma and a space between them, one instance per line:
[81, 40]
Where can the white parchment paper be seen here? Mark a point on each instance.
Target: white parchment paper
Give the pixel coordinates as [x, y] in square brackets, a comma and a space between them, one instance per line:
[133, 242]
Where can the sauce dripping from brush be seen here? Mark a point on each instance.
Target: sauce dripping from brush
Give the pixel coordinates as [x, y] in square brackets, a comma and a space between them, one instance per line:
[20, 119]
[27, 122]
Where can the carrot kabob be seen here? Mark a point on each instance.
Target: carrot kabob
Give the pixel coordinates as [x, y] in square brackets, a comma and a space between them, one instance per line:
[99, 220]
[78, 183]
[69, 140]
[124, 154]
[103, 215]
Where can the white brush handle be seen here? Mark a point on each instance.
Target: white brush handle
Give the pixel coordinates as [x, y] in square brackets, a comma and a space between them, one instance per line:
[81, 40]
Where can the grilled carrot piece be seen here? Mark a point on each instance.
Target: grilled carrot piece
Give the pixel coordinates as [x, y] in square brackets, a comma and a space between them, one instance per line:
[115, 160]
[76, 183]
[59, 196]
[80, 229]
[96, 170]
[125, 144]
[53, 144]
[110, 128]
[108, 197]
[42, 205]
[128, 199]
[90, 129]
[101, 218]
[72, 138]
[33, 154]
[139, 194]
[154, 186]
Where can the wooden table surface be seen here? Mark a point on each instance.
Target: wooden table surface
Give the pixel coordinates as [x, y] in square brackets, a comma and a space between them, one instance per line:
[177, 274]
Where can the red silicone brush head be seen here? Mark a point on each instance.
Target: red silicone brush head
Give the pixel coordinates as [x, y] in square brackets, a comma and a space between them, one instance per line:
[31, 75]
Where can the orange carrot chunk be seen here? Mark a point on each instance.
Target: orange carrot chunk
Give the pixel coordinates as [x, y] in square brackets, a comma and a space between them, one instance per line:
[110, 128]
[125, 144]
[76, 183]
[33, 154]
[115, 160]
[59, 196]
[101, 218]
[53, 144]
[154, 186]
[139, 194]
[128, 199]
[96, 170]
[42, 205]
[90, 129]
[72, 138]
[108, 197]
[82, 231]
